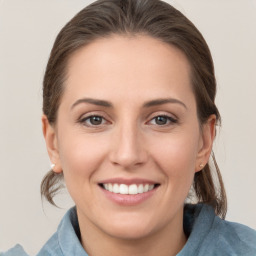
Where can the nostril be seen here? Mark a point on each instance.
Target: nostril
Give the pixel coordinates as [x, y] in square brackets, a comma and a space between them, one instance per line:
[128, 151]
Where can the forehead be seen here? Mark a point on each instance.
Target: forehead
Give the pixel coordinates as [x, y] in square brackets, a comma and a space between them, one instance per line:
[131, 65]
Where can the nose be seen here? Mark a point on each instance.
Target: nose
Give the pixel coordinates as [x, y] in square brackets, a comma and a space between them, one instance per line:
[128, 149]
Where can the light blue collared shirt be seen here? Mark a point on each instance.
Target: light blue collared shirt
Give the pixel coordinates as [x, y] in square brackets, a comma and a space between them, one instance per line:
[207, 235]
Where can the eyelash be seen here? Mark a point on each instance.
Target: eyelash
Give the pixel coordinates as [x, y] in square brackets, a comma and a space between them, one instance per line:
[169, 121]
[89, 118]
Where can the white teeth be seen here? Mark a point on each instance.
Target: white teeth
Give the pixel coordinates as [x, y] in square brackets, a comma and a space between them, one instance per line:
[133, 190]
[150, 187]
[140, 189]
[115, 188]
[146, 187]
[110, 187]
[124, 189]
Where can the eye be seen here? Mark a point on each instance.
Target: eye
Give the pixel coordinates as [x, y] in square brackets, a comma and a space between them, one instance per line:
[163, 120]
[93, 120]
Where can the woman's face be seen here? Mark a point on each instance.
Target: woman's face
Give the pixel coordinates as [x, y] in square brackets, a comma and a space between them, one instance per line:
[127, 136]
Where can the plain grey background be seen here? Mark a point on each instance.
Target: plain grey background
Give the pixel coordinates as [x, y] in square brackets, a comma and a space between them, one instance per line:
[27, 31]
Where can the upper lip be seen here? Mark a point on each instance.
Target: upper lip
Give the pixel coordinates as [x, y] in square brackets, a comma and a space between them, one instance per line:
[128, 181]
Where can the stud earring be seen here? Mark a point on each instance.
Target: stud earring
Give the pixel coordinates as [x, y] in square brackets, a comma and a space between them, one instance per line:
[52, 166]
[201, 166]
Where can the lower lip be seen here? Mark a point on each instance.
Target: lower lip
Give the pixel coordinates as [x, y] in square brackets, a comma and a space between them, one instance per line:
[128, 200]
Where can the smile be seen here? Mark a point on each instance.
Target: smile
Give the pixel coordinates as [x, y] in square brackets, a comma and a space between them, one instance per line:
[124, 189]
[128, 192]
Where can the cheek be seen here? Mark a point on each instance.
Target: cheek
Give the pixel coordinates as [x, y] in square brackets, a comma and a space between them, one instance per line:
[177, 158]
[80, 156]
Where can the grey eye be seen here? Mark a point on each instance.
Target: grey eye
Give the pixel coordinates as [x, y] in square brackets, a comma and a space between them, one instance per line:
[161, 120]
[95, 120]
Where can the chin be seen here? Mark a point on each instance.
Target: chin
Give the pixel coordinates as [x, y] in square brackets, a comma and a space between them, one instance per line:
[130, 234]
[129, 229]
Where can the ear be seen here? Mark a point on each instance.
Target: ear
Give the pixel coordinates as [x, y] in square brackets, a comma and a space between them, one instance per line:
[206, 143]
[50, 137]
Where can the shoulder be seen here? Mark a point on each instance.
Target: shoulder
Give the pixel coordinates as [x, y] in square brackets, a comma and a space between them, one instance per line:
[210, 235]
[243, 232]
[65, 241]
[239, 238]
[51, 248]
[15, 251]
[228, 238]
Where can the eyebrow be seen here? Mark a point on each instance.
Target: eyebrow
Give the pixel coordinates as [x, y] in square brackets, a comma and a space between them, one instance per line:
[97, 102]
[148, 104]
[163, 101]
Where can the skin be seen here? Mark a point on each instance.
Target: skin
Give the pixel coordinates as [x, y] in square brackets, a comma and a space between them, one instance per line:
[129, 142]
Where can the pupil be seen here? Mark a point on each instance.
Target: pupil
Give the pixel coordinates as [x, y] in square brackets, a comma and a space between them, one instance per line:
[96, 120]
[161, 120]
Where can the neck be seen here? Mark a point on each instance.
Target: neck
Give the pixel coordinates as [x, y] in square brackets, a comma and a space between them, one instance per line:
[167, 241]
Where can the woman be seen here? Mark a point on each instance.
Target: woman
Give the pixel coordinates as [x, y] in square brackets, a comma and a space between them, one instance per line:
[129, 122]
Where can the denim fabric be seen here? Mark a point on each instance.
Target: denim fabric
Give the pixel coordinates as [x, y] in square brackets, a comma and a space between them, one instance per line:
[207, 235]
[212, 236]
[15, 251]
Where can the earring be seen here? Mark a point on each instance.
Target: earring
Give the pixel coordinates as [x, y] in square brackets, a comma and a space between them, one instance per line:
[52, 166]
[201, 166]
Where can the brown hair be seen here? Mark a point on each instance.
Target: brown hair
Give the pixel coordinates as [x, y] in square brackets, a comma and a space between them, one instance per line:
[159, 20]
